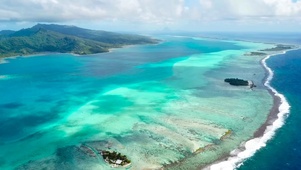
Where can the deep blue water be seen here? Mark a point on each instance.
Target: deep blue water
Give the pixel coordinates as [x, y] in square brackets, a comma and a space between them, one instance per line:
[284, 150]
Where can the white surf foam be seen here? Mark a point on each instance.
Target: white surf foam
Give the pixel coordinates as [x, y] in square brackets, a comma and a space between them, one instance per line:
[250, 147]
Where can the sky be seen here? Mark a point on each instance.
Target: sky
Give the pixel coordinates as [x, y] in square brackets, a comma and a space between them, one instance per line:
[156, 15]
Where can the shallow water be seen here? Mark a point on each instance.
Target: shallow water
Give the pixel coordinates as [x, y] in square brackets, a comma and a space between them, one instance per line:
[157, 104]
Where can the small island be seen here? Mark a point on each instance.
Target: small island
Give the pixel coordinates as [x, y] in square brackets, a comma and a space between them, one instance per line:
[237, 82]
[240, 82]
[256, 53]
[115, 159]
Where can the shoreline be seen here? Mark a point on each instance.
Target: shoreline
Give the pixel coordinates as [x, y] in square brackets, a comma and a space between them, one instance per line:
[275, 120]
[277, 101]
[3, 59]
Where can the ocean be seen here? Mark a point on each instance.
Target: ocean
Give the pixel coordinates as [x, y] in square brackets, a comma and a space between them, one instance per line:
[283, 151]
[161, 105]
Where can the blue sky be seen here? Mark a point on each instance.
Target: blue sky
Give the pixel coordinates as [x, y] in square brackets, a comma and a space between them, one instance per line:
[156, 15]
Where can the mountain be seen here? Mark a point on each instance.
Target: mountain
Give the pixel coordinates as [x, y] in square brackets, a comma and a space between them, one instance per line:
[64, 39]
[101, 36]
[6, 32]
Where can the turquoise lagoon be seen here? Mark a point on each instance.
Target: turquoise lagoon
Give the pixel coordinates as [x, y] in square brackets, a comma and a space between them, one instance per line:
[163, 105]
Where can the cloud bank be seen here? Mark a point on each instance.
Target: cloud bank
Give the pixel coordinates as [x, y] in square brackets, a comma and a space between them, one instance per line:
[150, 11]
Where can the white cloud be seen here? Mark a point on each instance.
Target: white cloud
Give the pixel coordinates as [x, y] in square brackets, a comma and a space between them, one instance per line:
[52, 10]
[258, 9]
[157, 12]
[285, 7]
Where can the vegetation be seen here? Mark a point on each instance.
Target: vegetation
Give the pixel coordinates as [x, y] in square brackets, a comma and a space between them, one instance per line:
[64, 39]
[97, 35]
[6, 32]
[256, 54]
[279, 47]
[114, 157]
[237, 82]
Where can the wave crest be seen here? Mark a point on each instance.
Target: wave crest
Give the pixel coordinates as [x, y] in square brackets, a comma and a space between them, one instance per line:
[249, 148]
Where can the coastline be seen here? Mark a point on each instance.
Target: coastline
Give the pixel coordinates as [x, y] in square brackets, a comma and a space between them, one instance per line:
[2, 59]
[277, 100]
[275, 120]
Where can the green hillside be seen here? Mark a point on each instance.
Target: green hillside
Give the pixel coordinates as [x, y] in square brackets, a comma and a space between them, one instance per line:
[97, 35]
[64, 39]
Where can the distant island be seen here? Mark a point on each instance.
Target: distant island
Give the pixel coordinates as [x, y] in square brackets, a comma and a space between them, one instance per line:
[279, 47]
[64, 39]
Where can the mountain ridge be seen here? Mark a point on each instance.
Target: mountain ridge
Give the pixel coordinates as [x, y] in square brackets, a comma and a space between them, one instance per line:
[64, 39]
